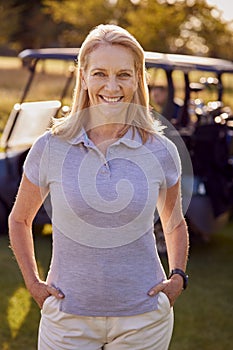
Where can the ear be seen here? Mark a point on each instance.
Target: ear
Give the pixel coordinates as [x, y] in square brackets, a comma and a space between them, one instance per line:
[83, 81]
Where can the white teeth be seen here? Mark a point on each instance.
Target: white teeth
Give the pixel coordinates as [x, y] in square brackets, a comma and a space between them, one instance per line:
[111, 99]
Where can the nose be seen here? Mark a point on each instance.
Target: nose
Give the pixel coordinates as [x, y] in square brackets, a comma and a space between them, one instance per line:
[112, 84]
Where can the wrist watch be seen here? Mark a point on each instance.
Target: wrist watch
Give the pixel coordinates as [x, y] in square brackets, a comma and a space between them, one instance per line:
[182, 274]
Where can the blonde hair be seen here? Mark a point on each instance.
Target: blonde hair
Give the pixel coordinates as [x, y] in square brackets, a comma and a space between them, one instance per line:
[109, 34]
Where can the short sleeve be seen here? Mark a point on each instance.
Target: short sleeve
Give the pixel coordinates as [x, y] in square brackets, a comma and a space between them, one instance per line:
[36, 165]
[172, 164]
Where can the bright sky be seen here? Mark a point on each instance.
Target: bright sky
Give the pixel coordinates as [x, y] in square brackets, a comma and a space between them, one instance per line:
[224, 5]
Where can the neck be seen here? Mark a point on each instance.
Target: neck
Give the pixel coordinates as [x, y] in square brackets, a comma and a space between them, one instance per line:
[103, 136]
[105, 132]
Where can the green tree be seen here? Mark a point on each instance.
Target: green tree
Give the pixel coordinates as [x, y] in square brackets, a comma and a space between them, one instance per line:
[81, 16]
[78, 17]
[8, 10]
[155, 25]
[24, 24]
[184, 26]
[37, 28]
[204, 32]
[181, 26]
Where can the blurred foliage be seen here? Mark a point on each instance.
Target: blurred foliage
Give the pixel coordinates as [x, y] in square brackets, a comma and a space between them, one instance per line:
[181, 26]
[24, 24]
[187, 27]
[7, 29]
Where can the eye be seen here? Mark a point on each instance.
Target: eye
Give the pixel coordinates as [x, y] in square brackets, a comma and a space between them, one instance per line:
[99, 74]
[124, 75]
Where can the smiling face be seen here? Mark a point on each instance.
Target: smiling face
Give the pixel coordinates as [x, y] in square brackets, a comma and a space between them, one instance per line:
[110, 76]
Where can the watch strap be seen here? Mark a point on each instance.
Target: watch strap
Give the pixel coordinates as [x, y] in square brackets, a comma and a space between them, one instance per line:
[182, 274]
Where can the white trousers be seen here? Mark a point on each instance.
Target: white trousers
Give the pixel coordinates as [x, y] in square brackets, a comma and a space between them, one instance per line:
[148, 331]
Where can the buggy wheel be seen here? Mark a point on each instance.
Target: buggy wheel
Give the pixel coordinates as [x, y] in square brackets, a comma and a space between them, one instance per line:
[3, 219]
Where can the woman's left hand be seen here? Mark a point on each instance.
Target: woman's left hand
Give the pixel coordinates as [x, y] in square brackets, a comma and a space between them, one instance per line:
[172, 288]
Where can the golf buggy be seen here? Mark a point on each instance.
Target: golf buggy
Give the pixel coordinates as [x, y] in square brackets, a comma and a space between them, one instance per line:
[205, 128]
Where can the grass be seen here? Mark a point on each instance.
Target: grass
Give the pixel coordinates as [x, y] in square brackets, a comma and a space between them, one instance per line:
[19, 314]
[203, 313]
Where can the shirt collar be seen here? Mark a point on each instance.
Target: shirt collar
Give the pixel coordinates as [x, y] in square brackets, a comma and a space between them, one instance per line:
[80, 138]
[129, 139]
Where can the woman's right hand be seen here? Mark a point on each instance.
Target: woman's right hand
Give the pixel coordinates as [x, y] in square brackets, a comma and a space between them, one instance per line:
[40, 291]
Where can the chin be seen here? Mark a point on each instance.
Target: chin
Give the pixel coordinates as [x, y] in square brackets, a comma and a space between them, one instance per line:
[109, 112]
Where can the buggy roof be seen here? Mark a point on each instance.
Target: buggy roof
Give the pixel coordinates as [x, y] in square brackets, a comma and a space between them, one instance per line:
[153, 59]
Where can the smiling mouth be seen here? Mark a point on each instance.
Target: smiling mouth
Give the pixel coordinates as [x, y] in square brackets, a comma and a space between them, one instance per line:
[111, 99]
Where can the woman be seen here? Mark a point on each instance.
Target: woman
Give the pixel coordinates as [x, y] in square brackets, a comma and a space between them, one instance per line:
[106, 167]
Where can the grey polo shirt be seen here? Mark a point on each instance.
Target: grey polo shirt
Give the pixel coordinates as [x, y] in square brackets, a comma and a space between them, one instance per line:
[104, 254]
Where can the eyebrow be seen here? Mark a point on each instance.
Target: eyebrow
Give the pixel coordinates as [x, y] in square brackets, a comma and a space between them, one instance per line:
[97, 68]
[104, 69]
